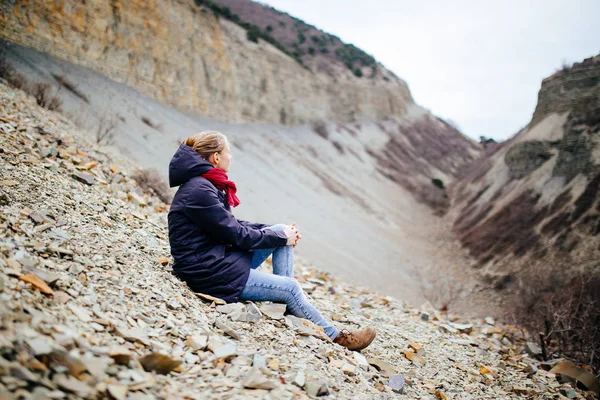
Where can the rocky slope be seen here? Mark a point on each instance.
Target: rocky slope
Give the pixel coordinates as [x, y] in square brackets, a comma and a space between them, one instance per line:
[534, 199]
[186, 56]
[90, 309]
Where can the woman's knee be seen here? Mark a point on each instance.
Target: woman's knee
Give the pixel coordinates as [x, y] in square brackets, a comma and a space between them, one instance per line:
[278, 227]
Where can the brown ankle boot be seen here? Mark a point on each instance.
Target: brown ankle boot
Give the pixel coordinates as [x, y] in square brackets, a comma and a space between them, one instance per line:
[356, 340]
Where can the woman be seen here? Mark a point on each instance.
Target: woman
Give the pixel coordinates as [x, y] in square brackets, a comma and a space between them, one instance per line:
[217, 254]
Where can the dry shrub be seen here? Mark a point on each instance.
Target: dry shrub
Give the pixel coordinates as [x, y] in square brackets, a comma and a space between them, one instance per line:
[565, 312]
[11, 76]
[320, 129]
[107, 128]
[71, 87]
[151, 124]
[151, 179]
[440, 287]
[44, 96]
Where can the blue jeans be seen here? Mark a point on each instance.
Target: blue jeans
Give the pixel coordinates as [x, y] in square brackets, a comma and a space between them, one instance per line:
[281, 287]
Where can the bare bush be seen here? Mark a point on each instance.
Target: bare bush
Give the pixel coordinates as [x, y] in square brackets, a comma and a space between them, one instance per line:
[8, 73]
[151, 179]
[439, 287]
[107, 128]
[44, 96]
[151, 123]
[320, 129]
[71, 87]
[566, 313]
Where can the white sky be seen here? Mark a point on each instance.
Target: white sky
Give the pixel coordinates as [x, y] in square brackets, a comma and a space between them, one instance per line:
[478, 63]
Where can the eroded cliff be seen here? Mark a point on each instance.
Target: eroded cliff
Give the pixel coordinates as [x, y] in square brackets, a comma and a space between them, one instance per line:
[183, 55]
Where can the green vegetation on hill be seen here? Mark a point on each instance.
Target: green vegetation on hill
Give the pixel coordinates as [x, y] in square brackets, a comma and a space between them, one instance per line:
[253, 32]
[304, 40]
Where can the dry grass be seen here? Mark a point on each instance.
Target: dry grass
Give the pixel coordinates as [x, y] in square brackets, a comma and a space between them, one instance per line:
[150, 179]
[71, 87]
[566, 313]
[45, 96]
[146, 120]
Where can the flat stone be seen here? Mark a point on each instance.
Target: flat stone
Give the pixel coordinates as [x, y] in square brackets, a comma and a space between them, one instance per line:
[227, 329]
[230, 308]
[117, 392]
[121, 355]
[159, 363]
[226, 351]
[83, 178]
[197, 342]
[300, 379]
[396, 383]
[360, 359]
[315, 388]
[39, 345]
[133, 335]
[273, 310]
[210, 299]
[75, 386]
[533, 349]
[255, 379]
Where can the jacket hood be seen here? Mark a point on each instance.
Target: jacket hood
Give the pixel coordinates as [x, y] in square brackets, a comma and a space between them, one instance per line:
[185, 165]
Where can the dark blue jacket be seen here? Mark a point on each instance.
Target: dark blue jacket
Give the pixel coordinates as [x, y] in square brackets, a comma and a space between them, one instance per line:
[212, 249]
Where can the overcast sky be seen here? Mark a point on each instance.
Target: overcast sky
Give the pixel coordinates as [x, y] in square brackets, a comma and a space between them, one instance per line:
[478, 63]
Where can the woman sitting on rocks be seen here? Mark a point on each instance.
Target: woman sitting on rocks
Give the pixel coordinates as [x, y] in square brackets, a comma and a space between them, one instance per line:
[217, 254]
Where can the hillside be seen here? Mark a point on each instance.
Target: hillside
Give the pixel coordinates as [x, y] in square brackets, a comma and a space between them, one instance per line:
[345, 184]
[534, 199]
[200, 62]
[91, 310]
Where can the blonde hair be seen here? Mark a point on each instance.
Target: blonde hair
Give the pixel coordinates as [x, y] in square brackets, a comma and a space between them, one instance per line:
[207, 143]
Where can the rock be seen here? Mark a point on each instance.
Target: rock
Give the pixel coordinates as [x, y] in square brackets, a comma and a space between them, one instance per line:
[83, 178]
[79, 312]
[72, 385]
[382, 366]
[227, 329]
[37, 283]
[22, 373]
[230, 308]
[417, 348]
[348, 369]
[75, 366]
[489, 321]
[300, 379]
[531, 369]
[163, 260]
[569, 393]
[39, 346]
[210, 299]
[121, 355]
[273, 310]
[361, 360]
[449, 328]
[315, 388]
[440, 395]
[133, 335]
[159, 363]
[305, 327]
[117, 392]
[226, 351]
[396, 383]
[137, 199]
[466, 328]
[4, 198]
[569, 369]
[255, 379]
[197, 342]
[533, 349]
[416, 359]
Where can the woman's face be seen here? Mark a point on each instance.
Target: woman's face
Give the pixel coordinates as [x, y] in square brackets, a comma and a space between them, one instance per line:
[223, 159]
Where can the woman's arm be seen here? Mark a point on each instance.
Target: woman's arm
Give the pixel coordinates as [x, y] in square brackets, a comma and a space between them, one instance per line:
[206, 210]
[253, 224]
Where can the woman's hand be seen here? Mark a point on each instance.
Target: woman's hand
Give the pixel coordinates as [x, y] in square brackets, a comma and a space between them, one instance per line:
[298, 235]
[292, 234]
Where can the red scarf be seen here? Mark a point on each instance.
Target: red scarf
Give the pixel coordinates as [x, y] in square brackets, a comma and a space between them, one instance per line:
[219, 178]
